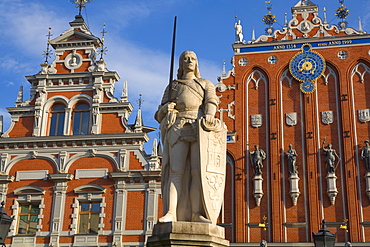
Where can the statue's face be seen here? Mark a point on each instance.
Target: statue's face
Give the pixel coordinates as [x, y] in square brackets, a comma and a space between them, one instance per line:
[189, 61]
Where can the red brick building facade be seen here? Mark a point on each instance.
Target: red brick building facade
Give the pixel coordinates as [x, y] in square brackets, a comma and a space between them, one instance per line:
[263, 104]
[73, 171]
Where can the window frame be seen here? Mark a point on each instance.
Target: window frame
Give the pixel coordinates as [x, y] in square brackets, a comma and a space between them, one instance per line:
[27, 195]
[90, 213]
[29, 214]
[88, 193]
[60, 117]
[82, 114]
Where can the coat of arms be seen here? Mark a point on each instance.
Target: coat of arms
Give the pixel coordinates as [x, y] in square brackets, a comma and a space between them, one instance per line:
[364, 115]
[291, 118]
[327, 117]
[256, 120]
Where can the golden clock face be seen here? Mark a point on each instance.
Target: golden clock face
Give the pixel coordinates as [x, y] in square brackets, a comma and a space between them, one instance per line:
[307, 66]
[308, 87]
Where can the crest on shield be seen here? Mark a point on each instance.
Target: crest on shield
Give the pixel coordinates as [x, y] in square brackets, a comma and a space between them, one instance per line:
[327, 117]
[364, 115]
[212, 146]
[256, 120]
[291, 118]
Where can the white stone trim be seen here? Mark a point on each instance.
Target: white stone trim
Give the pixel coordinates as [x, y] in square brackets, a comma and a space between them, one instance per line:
[87, 198]
[26, 199]
[91, 173]
[31, 175]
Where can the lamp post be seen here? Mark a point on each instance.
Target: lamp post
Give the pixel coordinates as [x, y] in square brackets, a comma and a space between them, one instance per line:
[324, 238]
[5, 222]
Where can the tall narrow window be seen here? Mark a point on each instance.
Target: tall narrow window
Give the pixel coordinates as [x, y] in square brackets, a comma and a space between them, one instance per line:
[28, 218]
[57, 120]
[89, 218]
[81, 117]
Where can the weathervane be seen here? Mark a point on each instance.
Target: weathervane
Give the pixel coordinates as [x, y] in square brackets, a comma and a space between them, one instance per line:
[103, 50]
[47, 54]
[80, 4]
[269, 19]
[140, 101]
[342, 13]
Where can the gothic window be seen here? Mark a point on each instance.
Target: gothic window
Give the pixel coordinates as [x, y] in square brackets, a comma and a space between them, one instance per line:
[360, 70]
[89, 218]
[81, 117]
[256, 77]
[57, 120]
[28, 218]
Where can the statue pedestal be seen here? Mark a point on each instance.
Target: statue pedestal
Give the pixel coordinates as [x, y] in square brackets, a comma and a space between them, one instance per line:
[187, 234]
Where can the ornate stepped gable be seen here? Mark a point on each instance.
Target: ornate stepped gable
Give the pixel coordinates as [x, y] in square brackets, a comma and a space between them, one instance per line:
[306, 23]
[76, 75]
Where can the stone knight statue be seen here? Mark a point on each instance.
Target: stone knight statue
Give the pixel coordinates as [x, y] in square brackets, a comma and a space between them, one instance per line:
[365, 155]
[193, 178]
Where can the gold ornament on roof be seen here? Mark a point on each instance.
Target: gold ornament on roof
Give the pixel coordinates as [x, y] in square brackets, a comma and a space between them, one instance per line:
[80, 4]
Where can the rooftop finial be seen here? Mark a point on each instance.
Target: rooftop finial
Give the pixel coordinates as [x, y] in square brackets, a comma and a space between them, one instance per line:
[103, 50]
[325, 19]
[360, 25]
[47, 54]
[140, 101]
[285, 20]
[80, 4]
[223, 68]
[269, 19]
[342, 13]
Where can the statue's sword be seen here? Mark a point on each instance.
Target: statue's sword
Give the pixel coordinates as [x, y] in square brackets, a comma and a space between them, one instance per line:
[172, 60]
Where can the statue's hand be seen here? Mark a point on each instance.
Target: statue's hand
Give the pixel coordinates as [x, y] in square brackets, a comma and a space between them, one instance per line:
[210, 119]
[168, 107]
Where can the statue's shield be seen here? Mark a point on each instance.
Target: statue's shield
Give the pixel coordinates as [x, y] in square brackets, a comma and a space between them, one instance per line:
[212, 146]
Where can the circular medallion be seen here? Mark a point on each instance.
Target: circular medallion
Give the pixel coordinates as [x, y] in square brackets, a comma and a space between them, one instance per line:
[308, 87]
[307, 65]
[243, 62]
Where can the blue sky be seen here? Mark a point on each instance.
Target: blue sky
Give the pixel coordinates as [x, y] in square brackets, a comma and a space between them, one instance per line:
[139, 38]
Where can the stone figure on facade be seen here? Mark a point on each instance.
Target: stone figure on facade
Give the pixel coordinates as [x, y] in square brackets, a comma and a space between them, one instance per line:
[257, 157]
[331, 156]
[187, 112]
[239, 37]
[365, 155]
[292, 160]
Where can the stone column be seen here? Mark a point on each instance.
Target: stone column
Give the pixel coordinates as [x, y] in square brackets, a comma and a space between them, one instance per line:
[4, 181]
[119, 207]
[60, 188]
[331, 190]
[258, 190]
[151, 206]
[294, 188]
[367, 179]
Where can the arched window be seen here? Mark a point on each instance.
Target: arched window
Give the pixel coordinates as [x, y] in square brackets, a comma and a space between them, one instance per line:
[81, 119]
[57, 120]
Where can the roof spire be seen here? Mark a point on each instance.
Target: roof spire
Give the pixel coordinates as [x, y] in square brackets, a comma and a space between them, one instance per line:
[139, 119]
[325, 19]
[103, 50]
[47, 54]
[124, 95]
[360, 25]
[285, 20]
[80, 4]
[253, 34]
[223, 68]
[269, 19]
